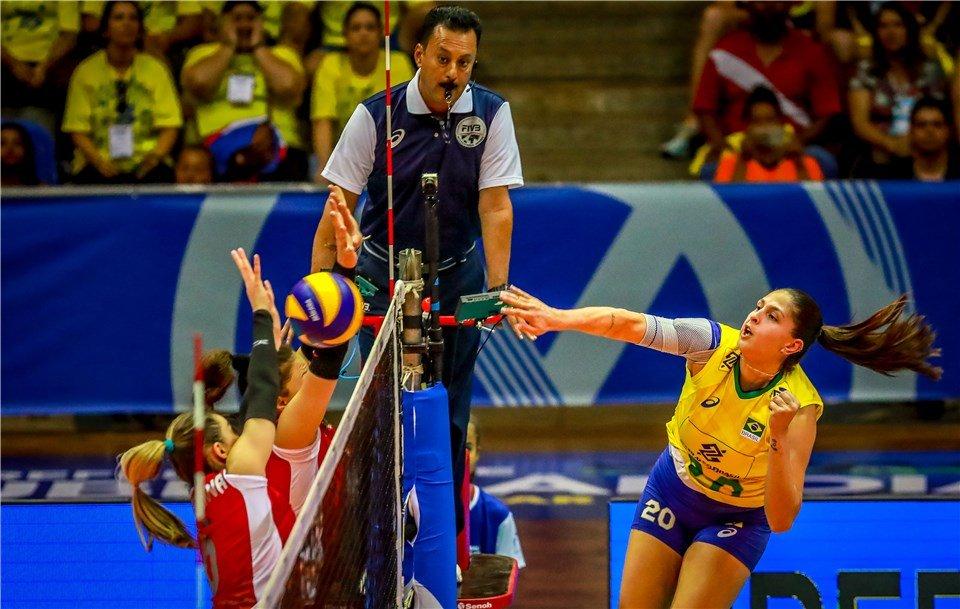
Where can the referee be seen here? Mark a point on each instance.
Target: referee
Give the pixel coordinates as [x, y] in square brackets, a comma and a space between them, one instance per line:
[444, 124]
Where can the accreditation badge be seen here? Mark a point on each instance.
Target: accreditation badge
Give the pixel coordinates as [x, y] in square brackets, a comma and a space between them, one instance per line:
[240, 89]
[121, 141]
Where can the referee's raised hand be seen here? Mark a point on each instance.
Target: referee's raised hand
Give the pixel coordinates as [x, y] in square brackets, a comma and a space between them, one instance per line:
[345, 229]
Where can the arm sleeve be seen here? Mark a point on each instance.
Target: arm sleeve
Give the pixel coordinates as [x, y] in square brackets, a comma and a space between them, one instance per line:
[351, 162]
[167, 110]
[500, 164]
[323, 101]
[78, 109]
[508, 541]
[692, 338]
[263, 374]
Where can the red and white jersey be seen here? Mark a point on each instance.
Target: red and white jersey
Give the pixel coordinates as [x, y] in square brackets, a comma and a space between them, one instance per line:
[291, 472]
[246, 526]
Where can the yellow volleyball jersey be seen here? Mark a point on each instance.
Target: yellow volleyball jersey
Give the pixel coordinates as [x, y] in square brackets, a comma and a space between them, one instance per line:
[718, 433]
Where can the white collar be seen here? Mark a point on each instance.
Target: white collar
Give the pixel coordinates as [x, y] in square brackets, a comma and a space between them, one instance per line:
[474, 495]
[416, 105]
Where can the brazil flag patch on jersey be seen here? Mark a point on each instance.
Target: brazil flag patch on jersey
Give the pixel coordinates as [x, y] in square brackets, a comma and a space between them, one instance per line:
[752, 429]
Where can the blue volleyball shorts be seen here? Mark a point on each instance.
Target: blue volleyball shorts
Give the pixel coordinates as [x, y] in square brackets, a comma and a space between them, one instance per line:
[679, 516]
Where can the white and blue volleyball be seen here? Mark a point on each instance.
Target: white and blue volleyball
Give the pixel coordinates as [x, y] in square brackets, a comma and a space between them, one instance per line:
[326, 307]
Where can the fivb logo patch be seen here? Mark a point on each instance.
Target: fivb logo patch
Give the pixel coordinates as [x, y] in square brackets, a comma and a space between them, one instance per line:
[752, 429]
[471, 131]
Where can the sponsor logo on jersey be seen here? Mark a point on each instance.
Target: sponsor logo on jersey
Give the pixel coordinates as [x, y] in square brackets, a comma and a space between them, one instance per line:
[730, 530]
[396, 138]
[752, 429]
[729, 360]
[471, 131]
[711, 452]
[710, 402]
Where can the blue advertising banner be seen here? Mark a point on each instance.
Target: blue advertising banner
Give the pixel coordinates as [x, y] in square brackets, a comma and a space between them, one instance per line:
[103, 290]
[892, 554]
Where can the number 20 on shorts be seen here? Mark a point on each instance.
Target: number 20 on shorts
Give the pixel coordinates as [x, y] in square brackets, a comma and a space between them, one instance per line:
[662, 516]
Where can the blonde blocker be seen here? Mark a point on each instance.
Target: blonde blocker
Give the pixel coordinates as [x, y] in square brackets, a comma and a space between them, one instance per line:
[143, 463]
[890, 340]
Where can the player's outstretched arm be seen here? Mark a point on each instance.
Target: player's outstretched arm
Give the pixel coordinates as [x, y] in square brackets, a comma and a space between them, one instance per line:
[249, 454]
[534, 318]
[298, 423]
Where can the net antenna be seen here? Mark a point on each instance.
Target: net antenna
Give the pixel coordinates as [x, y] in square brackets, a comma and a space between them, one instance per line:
[345, 548]
[389, 143]
[199, 417]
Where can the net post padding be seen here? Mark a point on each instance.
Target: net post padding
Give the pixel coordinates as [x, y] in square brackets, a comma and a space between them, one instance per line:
[343, 551]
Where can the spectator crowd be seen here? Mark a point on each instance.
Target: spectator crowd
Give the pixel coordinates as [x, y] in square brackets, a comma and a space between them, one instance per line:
[786, 91]
[188, 92]
[201, 91]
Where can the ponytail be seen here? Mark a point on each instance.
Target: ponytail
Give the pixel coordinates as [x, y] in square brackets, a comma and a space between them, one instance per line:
[140, 464]
[143, 463]
[889, 340]
[218, 375]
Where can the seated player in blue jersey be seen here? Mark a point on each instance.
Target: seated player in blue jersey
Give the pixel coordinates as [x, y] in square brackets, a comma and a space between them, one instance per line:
[492, 527]
[741, 436]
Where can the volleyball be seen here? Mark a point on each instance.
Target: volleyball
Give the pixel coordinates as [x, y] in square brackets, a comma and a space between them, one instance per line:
[326, 307]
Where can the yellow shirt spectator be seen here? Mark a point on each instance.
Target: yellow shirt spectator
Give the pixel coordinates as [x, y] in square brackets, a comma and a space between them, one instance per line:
[333, 11]
[29, 27]
[217, 114]
[272, 13]
[337, 89]
[158, 15]
[95, 102]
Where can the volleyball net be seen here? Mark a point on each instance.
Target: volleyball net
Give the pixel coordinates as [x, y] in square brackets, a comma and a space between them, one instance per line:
[345, 549]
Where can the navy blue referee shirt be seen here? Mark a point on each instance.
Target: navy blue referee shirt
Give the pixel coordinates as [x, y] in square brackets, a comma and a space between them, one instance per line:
[473, 149]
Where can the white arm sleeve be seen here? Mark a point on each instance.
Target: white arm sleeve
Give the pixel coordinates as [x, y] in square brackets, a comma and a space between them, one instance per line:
[500, 164]
[508, 541]
[351, 161]
[692, 338]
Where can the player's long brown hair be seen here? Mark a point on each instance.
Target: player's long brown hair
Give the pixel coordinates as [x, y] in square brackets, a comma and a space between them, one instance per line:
[143, 463]
[891, 339]
[218, 375]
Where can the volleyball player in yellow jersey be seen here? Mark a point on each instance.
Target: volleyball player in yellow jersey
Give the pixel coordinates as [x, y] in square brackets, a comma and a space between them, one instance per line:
[741, 436]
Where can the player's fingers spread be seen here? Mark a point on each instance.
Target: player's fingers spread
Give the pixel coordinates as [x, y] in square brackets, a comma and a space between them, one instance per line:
[519, 292]
[513, 326]
[511, 299]
[516, 313]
